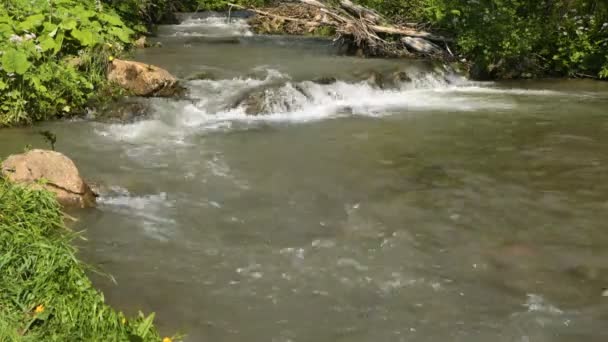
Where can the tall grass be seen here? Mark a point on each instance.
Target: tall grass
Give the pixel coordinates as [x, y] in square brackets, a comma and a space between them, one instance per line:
[45, 294]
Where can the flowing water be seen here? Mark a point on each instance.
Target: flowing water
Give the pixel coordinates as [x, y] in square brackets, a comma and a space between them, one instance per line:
[436, 209]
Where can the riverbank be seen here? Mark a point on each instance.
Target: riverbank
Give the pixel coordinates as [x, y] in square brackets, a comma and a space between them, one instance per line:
[46, 294]
[506, 41]
[55, 55]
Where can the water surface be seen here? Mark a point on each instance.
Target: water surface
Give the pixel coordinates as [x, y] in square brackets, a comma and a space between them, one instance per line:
[436, 210]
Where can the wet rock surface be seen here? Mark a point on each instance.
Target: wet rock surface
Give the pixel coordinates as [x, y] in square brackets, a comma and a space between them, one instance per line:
[50, 170]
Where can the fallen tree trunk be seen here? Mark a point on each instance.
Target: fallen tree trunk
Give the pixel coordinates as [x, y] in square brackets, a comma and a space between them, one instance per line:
[408, 33]
[421, 45]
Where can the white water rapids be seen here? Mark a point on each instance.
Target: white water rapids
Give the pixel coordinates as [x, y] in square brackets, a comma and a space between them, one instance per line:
[368, 200]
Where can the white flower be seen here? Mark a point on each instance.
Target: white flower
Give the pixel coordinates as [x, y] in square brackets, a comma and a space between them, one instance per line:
[38, 48]
[30, 36]
[15, 39]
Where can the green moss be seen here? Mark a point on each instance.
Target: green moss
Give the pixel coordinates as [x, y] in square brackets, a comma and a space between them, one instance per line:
[46, 295]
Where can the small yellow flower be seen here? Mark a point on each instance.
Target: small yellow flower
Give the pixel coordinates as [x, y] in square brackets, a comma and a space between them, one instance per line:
[167, 339]
[111, 58]
[124, 321]
[39, 309]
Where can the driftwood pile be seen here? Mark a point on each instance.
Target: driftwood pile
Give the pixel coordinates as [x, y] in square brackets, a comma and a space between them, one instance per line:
[364, 27]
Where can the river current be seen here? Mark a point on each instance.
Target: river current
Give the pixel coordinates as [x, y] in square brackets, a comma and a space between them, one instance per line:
[433, 209]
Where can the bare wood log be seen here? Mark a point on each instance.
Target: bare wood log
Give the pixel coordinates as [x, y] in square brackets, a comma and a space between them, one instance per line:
[336, 16]
[314, 3]
[362, 12]
[421, 45]
[408, 32]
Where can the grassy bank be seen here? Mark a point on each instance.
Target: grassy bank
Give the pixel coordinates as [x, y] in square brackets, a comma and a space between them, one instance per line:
[44, 292]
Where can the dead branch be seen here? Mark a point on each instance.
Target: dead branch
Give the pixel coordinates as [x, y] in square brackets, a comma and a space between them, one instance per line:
[365, 27]
[362, 12]
[408, 32]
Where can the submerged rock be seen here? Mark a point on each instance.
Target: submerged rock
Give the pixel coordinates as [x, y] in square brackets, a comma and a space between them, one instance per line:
[143, 79]
[254, 102]
[275, 98]
[400, 77]
[50, 170]
[127, 109]
[375, 79]
[203, 75]
[386, 79]
[325, 80]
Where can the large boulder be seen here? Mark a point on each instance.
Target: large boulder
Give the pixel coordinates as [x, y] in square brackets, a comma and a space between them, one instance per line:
[52, 171]
[143, 79]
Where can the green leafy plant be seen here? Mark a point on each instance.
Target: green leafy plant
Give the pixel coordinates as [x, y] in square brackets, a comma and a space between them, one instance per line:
[513, 38]
[53, 56]
[46, 295]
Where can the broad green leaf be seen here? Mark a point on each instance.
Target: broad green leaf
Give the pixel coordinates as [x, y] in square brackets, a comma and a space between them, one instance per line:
[85, 38]
[122, 34]
[59, 41]
[15, 61]
[47, 43]
[50, 29]
[3, 85]
[6, 30]
[82, 12]
[69, 24]
[111, 19]
[31, 22]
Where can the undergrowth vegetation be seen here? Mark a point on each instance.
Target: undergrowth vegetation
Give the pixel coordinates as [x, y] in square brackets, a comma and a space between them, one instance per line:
[45, 294]
[514, 38]
[53, 56]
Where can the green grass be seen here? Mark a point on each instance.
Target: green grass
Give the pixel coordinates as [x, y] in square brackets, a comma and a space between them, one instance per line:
[45, 294]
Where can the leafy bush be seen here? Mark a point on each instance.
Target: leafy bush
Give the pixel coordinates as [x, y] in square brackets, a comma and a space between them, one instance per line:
[514, 38]
[53, 56]
[46, 295]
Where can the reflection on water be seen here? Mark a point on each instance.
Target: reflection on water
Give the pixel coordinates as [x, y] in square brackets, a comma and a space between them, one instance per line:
[435, 210]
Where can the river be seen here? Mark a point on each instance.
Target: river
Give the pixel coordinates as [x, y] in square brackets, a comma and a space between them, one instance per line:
[438, 210]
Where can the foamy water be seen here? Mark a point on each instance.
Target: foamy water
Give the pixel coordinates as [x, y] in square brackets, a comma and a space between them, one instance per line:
[208, 27]
[347, 211]
[216, 104]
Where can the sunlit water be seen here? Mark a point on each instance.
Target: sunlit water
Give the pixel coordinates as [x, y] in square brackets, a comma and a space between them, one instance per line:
[437, 210]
